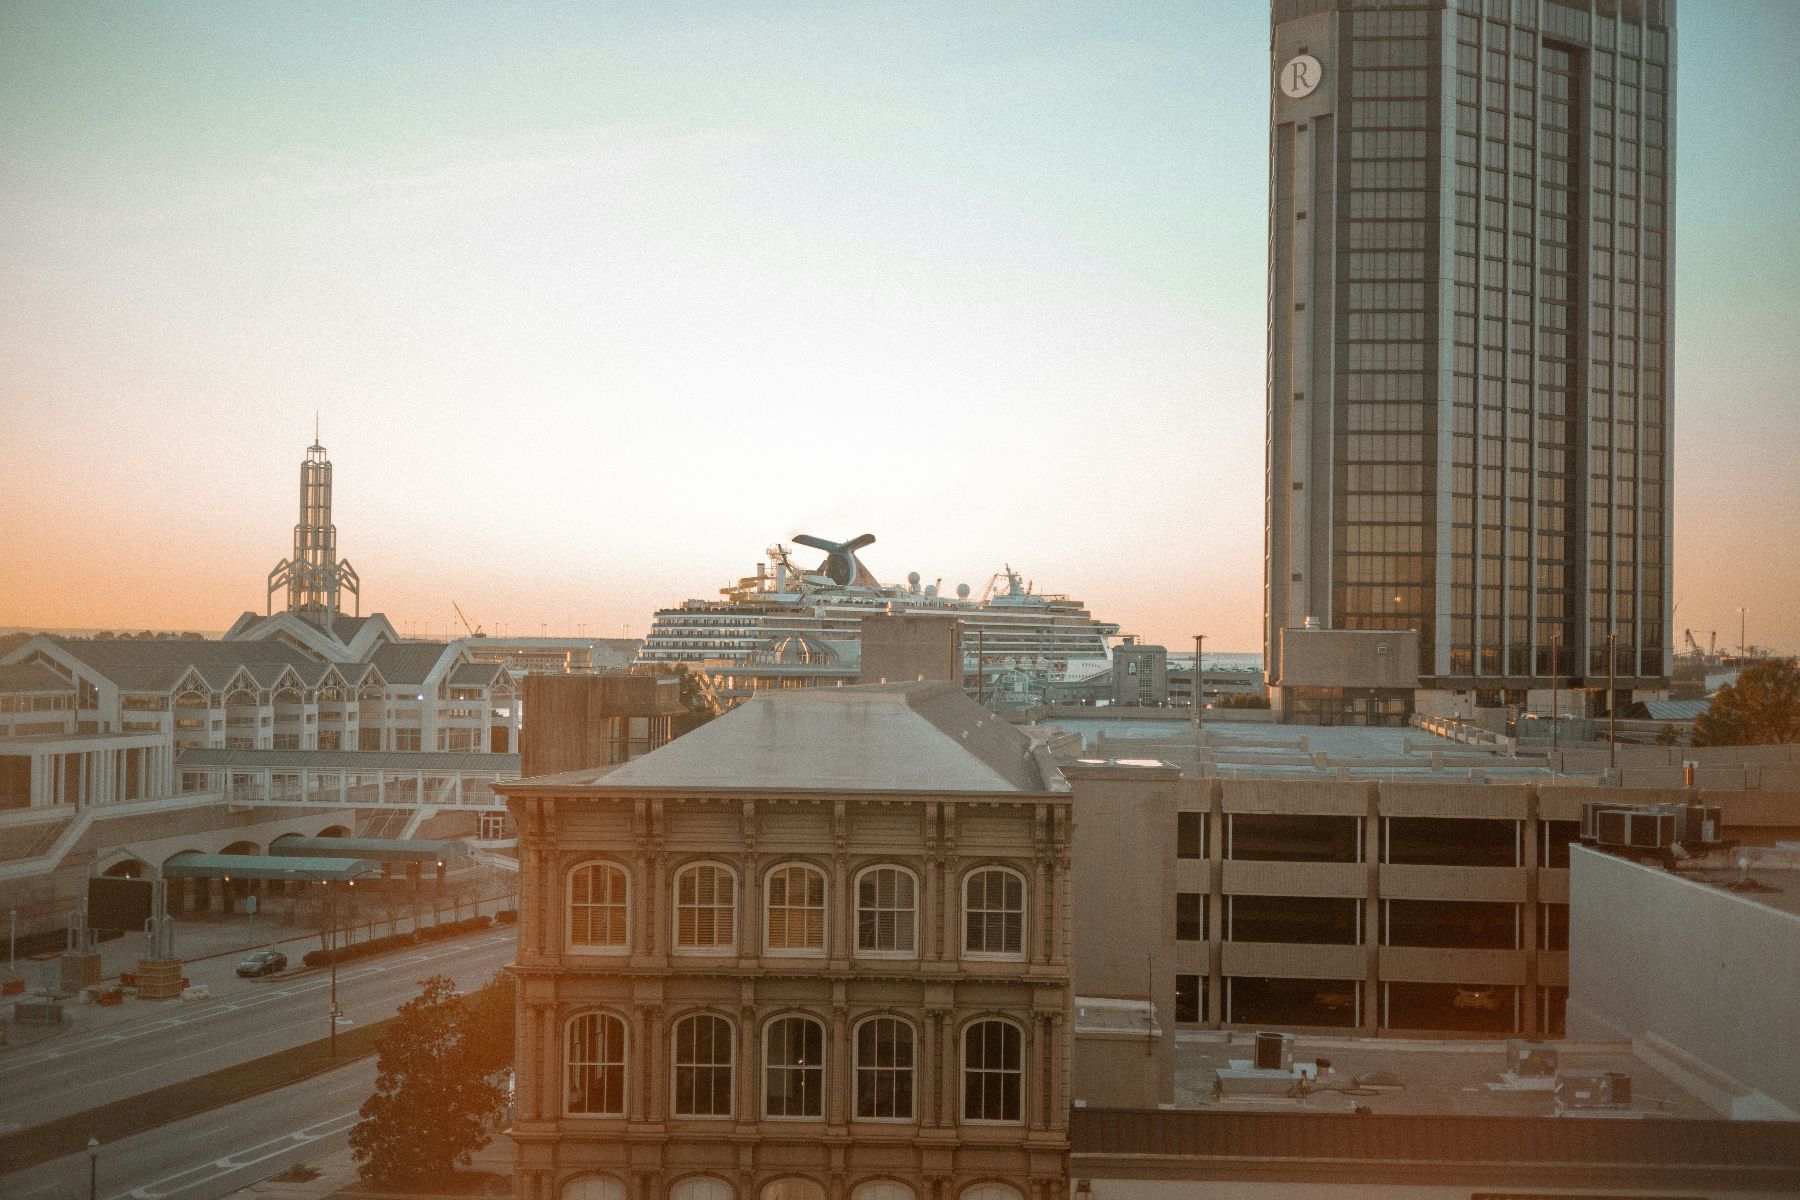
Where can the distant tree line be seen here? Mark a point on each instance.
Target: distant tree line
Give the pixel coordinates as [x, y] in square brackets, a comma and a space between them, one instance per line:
[1761, 709]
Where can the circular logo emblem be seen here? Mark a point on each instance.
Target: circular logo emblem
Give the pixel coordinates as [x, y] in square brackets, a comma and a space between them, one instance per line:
[1300, 76]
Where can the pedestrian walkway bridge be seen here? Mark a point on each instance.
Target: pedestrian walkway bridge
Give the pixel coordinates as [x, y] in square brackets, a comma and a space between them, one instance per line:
[350, 778]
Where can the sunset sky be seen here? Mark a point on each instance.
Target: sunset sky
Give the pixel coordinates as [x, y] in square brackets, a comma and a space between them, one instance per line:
[595, 302]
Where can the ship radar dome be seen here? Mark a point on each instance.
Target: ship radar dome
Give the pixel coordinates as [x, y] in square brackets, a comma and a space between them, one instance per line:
[962, 591]
[912, 581]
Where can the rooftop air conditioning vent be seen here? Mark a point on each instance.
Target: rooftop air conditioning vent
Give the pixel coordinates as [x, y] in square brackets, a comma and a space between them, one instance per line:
[1275, 1052]
[1593, 1089]
[1530, 1060]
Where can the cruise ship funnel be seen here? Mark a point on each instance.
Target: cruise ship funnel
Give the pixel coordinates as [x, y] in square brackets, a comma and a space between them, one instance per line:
[841, 563]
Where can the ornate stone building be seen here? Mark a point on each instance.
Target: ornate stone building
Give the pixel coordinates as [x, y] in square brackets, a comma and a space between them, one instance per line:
[816, 948]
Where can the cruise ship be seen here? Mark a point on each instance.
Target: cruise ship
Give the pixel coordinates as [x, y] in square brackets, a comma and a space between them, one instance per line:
[794, 626]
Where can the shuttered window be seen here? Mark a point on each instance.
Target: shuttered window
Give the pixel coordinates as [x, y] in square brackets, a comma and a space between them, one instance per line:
[597, 907]
[886, 911]
[796, 909]
[994, 913]
[705, 908]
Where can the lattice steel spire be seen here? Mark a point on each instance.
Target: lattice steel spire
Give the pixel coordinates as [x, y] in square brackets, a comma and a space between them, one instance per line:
[314, 576]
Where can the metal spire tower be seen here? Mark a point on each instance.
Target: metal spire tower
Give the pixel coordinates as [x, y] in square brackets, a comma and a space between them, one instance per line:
[314, 576]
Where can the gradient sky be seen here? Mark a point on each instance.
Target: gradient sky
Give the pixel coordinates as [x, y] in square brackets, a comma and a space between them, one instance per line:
[597, 301]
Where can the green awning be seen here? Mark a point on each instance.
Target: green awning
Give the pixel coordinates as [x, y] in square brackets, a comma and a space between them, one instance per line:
[376, 849]
[267, 866]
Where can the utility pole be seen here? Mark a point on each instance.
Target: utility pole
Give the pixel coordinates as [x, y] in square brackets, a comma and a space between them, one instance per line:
[1150, 1002]
[1555, 679]
[332, 893]
[1742, 650]
[1612, 706]
[1199, 680]
[980, 666]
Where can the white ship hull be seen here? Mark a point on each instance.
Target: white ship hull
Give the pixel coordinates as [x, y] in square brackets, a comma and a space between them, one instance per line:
[1017, 632]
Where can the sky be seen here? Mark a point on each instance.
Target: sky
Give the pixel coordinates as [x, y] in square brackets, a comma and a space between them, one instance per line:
[595, 302]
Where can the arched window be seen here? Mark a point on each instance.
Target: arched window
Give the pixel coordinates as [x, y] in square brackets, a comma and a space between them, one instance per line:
[993, 1071]
[594, 1083]
[599, 911]
[883, 1189]
[884, 1069]
[994, 913]
[992, 1191]
[705, 908]
[792, 1188]
[594, 1187]
[887, 912]
[702, 1187]
[794, 1068]
[703, 1059]
[795, 909]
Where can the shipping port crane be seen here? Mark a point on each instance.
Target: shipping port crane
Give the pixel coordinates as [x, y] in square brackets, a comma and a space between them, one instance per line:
[474, 630]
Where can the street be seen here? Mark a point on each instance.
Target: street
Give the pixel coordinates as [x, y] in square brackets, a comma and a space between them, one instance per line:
[213, 1153]
[245, 1018]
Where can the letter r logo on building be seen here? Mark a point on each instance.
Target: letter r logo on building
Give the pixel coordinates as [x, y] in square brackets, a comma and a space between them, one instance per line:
[1300, 77]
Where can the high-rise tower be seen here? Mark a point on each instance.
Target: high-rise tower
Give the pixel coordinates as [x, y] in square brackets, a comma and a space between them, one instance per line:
[1469, 360]
[314, 576]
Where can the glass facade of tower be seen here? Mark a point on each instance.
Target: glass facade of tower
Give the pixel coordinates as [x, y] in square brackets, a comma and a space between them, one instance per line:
[1469, 249]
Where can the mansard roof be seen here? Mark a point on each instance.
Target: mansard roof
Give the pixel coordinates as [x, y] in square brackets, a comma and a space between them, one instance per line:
[907, 737]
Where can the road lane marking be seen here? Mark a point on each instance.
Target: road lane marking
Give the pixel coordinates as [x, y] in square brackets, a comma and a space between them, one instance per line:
[76, 1056]
[193, 1177]
[109, 1040]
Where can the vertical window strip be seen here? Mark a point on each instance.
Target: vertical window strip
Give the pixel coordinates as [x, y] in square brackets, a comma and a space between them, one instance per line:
[597, 906]
[884, 1069]
[993, 1072]
[886, 911]
[596, 1065]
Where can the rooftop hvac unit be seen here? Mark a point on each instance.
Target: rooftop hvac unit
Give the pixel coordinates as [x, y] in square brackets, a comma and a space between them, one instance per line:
[1699, 824]
[1593, 1089]
[1231, 1082]
[1639, 826]
[1530, 1060]
[1275, 1052]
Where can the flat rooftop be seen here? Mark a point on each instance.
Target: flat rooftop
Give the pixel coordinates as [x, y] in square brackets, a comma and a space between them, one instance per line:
[1435, 1078]
[1771, 883]
[1267, 750]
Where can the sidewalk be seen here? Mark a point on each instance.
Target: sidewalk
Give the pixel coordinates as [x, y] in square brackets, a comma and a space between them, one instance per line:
[209, 947]
[337, 1176]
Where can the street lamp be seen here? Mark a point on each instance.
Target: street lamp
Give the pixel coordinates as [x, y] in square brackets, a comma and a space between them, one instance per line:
[331, 920]
[1199, 679]
[93, 1149]
[1612, 706]
[1555, 680]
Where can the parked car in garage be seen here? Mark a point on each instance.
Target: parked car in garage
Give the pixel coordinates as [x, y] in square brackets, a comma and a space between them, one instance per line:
[263, 962]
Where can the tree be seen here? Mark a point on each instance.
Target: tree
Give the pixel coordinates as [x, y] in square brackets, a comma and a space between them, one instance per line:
[1762, 708]
[1668, 735]
[492, 1022]
[438, 1087]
